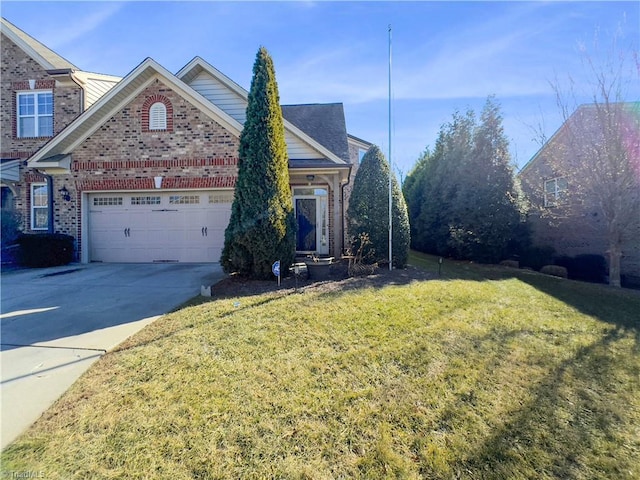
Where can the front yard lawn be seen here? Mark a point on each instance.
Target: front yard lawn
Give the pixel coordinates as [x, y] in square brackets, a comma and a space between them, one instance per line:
[484, 373]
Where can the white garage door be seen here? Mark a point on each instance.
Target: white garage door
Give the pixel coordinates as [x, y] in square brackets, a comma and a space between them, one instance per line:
[158, 227]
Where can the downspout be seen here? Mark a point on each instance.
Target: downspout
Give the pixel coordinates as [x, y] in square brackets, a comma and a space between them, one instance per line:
[81, 91]
[50, 203]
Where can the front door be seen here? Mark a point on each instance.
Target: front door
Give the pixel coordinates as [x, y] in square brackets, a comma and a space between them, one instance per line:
[312, 220]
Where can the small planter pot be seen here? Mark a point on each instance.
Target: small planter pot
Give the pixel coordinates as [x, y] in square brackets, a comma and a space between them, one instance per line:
[319, 269]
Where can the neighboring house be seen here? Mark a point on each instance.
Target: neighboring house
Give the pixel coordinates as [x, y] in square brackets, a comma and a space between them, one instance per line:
[41, 94]
[147, 173]
[567, 214]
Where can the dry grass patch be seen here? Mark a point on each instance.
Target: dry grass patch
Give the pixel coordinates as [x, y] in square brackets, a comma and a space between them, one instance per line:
[490, 377]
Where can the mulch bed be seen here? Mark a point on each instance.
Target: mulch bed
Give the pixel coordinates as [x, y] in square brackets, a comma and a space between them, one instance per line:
[238, 286]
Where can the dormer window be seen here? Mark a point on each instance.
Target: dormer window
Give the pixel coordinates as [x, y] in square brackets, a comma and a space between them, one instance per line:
[158, 116]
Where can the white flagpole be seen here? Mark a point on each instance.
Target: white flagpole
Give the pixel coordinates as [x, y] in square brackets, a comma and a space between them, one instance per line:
[390, 165]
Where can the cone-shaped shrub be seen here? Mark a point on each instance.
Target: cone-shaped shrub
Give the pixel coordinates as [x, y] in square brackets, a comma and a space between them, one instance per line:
[368, 210]
[262, 225]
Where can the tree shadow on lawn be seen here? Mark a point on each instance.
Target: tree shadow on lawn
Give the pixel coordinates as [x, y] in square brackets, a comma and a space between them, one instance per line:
[559, 429]
[559, 432]
[569, 429]
[616, 306]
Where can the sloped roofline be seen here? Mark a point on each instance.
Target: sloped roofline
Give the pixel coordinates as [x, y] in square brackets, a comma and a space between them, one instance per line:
[84, 76]
[47, 58]
[358, 141]
[121, 94]
[198, 64]
[557, 133]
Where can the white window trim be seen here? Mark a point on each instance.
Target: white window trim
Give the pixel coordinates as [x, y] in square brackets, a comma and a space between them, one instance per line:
[35, 115]
[158, 116]
[36, 207]
[555, 197]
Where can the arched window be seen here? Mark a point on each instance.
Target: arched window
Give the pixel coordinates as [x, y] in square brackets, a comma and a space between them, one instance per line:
[158, 116]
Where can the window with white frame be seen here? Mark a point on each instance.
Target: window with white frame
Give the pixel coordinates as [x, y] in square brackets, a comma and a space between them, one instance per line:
[158, 116]
[34, 114]
[39, 206]
[555, 191]
[184, 199]
[145, 200]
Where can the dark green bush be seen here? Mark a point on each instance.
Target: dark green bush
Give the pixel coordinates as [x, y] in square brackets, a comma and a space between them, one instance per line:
[10, 227]
[368, 212]
[585, 267]
[589, 268]
[564, 261]
[45, 249]
[631, 281]
[555, 270]
[536, 257]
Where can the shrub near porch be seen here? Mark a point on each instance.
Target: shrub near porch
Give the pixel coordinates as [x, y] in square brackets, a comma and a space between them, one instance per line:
[486, 373]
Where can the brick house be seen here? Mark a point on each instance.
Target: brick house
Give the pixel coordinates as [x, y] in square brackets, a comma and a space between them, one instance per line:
[145, 172]
[41, 94]
[568, 213]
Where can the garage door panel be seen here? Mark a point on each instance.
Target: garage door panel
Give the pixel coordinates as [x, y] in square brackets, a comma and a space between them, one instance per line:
[183, 227]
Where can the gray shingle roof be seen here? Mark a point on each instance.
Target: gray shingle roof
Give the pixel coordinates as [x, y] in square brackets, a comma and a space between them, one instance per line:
[324, 122]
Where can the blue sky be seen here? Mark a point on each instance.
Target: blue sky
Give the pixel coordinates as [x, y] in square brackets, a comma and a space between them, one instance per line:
[447, 56]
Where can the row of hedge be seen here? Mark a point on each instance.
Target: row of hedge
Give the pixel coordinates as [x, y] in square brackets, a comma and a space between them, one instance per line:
[45, 249]
[585, 267]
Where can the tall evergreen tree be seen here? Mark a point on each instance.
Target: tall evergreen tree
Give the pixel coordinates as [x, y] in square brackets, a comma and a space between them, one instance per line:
[470, 202]
[262, 225]
[488, 203]
[452, 150]
[414, 190]
[368, 210]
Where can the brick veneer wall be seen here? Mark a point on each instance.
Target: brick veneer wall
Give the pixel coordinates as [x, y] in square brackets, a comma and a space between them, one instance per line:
[16, 71]
[197, 153]
[582, 231]
[354, 157]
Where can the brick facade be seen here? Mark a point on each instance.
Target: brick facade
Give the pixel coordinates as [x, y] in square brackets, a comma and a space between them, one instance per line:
[197, 153]
[577, 227]
[354, 158]
[17, 69]
[194, 152]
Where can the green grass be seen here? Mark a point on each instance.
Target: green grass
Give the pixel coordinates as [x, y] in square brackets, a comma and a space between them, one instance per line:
[484, 373]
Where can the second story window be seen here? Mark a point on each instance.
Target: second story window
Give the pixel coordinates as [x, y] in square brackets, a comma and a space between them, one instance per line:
[158, 116]
[35, 114]
[555, 191]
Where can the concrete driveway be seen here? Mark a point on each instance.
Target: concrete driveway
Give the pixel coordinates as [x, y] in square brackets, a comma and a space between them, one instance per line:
[56, 322]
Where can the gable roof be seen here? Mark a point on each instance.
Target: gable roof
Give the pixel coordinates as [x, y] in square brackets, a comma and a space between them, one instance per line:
[632, 109]
[358, 142]
[197, 66]
[47, 58]
[94, 85]
[118, 97]
[323, 122]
